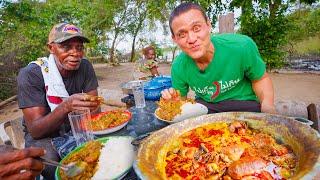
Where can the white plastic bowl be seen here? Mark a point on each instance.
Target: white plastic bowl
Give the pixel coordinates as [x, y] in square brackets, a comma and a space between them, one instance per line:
[189, 110]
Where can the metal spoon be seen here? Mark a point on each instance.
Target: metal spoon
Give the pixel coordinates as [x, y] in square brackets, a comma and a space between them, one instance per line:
[137, 141]
[72, 169]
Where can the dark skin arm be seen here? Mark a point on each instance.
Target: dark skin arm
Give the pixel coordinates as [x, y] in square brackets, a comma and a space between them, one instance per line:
[41, 122]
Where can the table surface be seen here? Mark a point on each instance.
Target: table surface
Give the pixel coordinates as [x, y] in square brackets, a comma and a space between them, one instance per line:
[143, 121]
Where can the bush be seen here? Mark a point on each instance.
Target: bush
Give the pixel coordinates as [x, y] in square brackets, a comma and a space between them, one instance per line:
[269, 33]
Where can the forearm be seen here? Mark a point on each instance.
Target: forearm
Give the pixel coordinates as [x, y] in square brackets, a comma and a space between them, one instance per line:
[41, 122]
[263, 88]
[45, 125]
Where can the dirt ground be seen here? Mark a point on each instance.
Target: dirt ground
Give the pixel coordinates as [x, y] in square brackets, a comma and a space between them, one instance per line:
[296, 87]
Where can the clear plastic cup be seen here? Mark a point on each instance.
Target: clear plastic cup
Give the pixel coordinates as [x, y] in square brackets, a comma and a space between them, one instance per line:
[138, 94]
[80, 121]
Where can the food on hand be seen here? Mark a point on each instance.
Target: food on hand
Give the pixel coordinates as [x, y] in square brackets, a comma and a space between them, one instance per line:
[228, 151]
[93, 98]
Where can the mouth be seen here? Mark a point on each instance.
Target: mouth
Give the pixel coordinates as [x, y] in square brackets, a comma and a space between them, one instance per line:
[74, 63]
[195, 47]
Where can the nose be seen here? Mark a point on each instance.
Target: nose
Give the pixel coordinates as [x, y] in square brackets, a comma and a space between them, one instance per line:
[76, 51]
[192, 37]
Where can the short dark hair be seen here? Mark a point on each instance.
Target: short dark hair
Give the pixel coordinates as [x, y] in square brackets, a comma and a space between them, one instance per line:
[184, 7]
[146, 50]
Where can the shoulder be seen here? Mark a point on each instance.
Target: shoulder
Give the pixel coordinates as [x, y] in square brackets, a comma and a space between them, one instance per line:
[232, 39]
[181, 60]
[31, 70]
[86, 63]
[85, 66]
[30, 77]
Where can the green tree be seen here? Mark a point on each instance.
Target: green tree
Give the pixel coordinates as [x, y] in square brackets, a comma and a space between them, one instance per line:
[267, 25]
[313, 23]
[138, 15]
[25, 26]
[97, 23]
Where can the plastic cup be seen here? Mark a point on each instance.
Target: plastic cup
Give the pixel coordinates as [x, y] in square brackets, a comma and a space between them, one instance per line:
[138, 94]
[80, 121]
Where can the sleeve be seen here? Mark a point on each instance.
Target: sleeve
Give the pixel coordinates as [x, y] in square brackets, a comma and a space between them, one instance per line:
[31, 90]
[90, 82]
[254, 66]
[178, 82]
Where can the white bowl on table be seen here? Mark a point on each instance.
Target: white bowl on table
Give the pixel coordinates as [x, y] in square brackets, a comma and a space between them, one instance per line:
[188, 110]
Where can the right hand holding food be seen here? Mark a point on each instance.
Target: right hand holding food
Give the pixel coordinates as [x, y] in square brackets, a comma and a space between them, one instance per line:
[21, 164]
[170, 94]
[82, 101]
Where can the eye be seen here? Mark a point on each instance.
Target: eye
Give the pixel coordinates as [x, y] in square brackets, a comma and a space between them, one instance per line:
[182, 35]
[80, 47]
[66, 47]
[196, 28]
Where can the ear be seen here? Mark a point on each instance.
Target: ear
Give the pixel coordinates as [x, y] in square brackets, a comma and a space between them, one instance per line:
[174, 38]
[209, 23]
[50, 48]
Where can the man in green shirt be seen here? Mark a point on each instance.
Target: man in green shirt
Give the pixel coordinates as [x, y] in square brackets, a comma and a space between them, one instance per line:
[225, 71]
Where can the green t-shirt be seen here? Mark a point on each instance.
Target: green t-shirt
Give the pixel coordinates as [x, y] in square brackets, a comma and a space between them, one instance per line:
[236, 62]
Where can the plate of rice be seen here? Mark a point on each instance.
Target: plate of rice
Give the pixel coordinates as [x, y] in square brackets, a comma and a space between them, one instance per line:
[106, 158]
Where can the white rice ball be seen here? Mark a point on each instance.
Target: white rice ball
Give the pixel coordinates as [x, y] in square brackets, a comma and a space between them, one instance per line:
[116, 156]
[190, 110]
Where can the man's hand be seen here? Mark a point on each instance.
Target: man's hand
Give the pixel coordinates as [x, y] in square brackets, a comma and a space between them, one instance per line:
[41, 123]
[21, 164]
[81, 101]
[170, 94]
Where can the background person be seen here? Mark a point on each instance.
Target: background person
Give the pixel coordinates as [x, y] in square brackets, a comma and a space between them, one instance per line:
[225, 71]
[50, 88]
[147, 66]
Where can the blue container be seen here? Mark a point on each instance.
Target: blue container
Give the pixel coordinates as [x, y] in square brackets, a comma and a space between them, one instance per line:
[165, 81]
[152, 90]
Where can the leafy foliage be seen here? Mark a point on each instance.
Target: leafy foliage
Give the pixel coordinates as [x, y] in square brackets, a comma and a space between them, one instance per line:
[213, 8]
[265, 22]
[304, 32]
[304, 23]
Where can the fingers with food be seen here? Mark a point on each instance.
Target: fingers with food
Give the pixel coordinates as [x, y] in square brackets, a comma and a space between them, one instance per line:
[170, 94]
[82, 101]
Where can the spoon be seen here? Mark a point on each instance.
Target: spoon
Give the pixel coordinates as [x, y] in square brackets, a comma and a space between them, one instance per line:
[72, 169]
